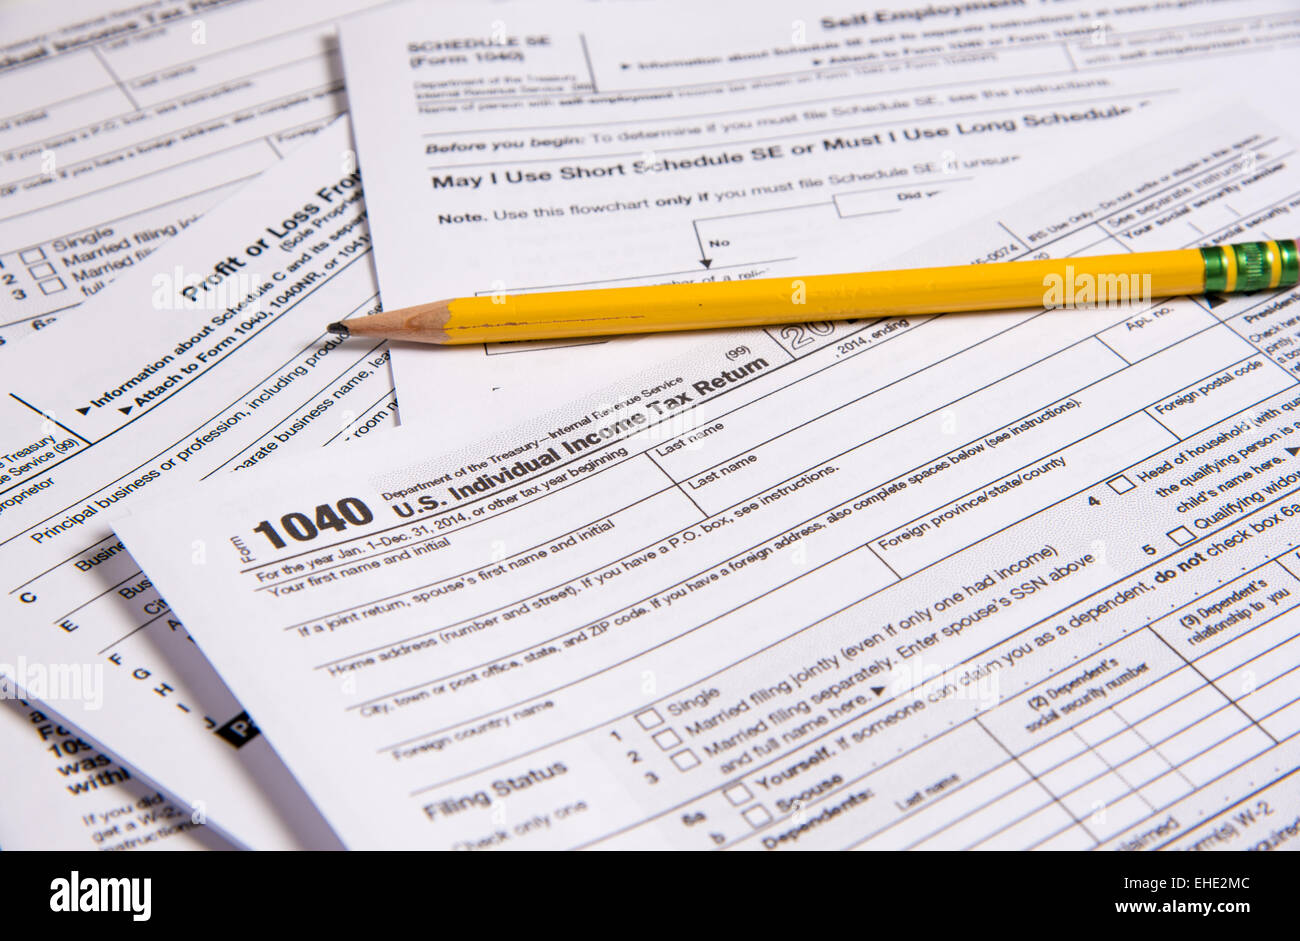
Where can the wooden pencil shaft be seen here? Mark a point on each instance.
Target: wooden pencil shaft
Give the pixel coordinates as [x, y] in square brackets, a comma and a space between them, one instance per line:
[659, 308]
[1100, 280]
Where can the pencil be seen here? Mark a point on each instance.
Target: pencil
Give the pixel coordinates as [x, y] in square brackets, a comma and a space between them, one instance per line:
[1096, 281]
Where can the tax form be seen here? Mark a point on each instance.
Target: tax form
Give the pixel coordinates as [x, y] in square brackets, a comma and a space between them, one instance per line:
[760, 134]
[1015, 580]
[123, 122]
[214, 362]
[61, 793]
[75, 595]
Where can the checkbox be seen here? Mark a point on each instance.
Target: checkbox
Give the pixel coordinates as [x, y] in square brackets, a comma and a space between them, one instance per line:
[1182, 535]
[737, 794]
[649, 718]
[32, 256]
[758, 816]
[1121, 484]
[53, 286]
[685, 760]
[667, 739]
[43, 270]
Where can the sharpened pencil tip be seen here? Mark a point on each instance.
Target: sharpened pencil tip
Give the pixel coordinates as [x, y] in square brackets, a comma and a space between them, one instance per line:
[341, 329]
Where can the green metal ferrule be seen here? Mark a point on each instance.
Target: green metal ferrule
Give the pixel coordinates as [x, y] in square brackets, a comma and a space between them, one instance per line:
[1290, 262]
[1254, 264]
[1216, 269]
[1253, 268]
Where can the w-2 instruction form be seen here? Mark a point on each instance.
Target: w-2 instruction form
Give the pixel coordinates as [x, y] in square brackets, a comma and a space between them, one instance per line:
[1017, 580]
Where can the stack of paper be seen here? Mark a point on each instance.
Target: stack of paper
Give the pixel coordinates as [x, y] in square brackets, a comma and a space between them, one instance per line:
[1011, 580]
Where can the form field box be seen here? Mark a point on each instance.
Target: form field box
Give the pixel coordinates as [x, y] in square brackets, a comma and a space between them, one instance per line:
[667, 739]
[1220, 394]
[53, 286]
[32, 255]
[758, 816]
[1121, 484]
[1182, 535]
[685, 759]
[1102, 791]
[1074, 774]
[1238, 749]
[1285, 722]
[1117, 816]
[1030, 830]
[649, 718]
[43, 270]
[1071, 838]
[1166, 790]
[1125, 746]
[737, 794]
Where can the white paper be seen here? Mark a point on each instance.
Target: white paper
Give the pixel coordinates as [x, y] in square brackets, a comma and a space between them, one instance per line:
[999, 581]
[111, 186]
[62, 793]
[835, 123]
[123, 122]
[162, 396]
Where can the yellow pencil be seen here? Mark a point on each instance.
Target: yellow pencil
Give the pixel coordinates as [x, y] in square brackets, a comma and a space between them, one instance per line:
[1101, 280]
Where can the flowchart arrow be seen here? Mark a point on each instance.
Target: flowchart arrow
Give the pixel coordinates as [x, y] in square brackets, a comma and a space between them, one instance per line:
[704, 259]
